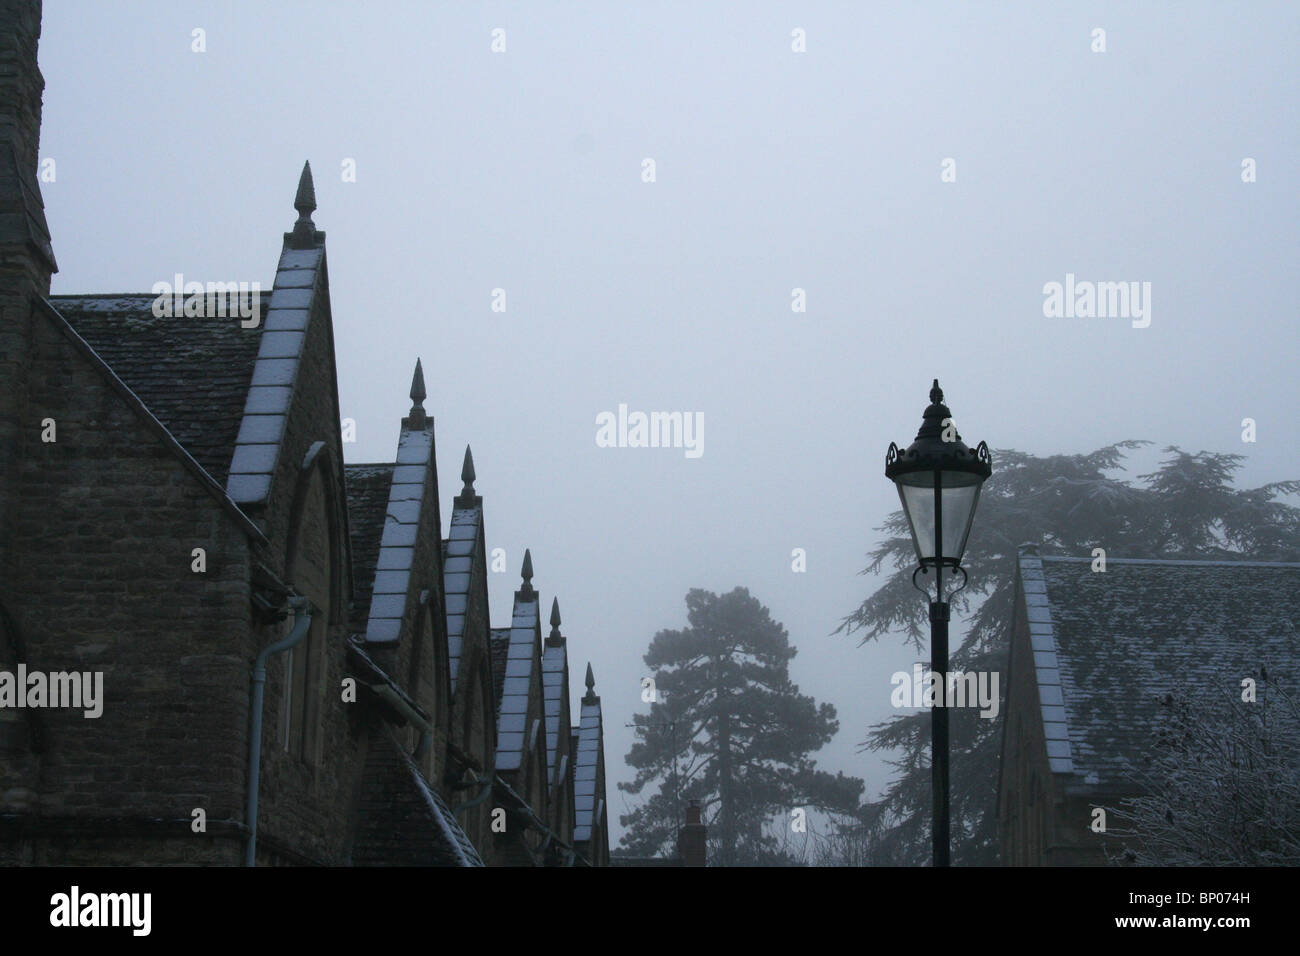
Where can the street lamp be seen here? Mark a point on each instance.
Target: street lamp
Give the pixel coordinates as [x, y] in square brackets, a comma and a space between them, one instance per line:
[939, 482]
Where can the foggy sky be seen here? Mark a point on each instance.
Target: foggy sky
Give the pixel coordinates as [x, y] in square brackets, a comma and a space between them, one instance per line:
[775, 170]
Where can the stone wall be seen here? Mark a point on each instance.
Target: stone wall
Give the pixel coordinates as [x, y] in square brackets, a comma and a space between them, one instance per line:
[99, 578]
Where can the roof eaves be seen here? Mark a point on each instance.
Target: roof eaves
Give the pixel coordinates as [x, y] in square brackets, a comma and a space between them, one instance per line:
[374, 676]
[453, 835]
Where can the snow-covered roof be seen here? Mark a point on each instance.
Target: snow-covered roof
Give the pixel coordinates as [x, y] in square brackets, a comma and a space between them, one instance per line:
[266, 407]
[555, 687]
[1109, 645]
[586, 763]
[457, 568]
[521, 662]
[401, 523]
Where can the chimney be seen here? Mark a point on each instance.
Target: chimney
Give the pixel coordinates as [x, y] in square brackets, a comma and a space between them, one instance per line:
[692, 842]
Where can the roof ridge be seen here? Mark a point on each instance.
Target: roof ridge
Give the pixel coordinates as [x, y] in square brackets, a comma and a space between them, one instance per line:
[1185, 562]
[103, 295]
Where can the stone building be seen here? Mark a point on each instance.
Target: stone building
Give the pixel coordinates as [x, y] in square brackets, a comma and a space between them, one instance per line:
[176, 516]
[1093, 654]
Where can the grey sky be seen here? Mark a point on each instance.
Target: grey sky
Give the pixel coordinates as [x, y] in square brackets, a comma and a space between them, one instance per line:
[775, 170]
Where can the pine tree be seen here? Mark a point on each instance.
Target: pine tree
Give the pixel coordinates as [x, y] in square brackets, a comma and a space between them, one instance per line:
[728, 728]
[1066, 504]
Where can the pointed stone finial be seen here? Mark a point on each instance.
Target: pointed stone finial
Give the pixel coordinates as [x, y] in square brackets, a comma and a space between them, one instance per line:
[527, 572]
[936, 393]
[418, 393]
[416, 418]
[555, 617]
[591, 682]
[304, 235]
[467, 473]
[305, 201]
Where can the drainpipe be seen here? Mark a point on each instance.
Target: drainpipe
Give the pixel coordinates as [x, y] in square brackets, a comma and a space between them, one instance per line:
[386, 693]
[301, 624]
[486, 792]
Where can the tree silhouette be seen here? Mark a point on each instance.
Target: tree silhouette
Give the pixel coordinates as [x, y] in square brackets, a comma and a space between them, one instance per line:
[729, 729]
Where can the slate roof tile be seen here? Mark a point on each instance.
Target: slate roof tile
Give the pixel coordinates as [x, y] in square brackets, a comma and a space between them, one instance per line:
[1124, 638]
[586, 762]
[192, 373]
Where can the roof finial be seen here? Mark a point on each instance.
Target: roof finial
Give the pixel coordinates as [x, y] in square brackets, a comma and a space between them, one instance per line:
[555, 617]
[936, 393]
[304, 230]
[305, 201]
[417, 418]
[467, 473]
[418, 393]
[591, 681]
[527, 572]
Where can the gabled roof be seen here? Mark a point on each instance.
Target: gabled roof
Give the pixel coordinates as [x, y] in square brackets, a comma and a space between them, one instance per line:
[521, 668]
[368, 488]
[586, 765]
[406, 497]
[397, 546]
[1109, 645]
[300, 278]
[456, 574]
[555, 690]
[460, 555]
[270, 392]
[191, 373]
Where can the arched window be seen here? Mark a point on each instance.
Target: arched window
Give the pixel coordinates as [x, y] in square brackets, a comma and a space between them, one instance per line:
[311, 572]
[300, 709]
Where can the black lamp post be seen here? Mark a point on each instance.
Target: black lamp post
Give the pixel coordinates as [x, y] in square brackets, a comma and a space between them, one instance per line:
[939, 481]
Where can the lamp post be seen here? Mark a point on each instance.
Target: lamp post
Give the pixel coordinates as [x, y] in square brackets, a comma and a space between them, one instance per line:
[939, 482]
